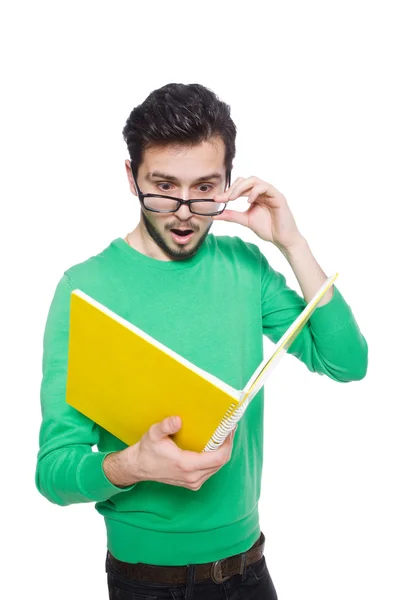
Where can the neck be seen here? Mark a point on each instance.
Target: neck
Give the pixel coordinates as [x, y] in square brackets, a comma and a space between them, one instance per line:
[140, 240]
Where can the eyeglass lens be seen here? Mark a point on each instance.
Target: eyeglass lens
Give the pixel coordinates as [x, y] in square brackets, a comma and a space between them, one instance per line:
[159, 203]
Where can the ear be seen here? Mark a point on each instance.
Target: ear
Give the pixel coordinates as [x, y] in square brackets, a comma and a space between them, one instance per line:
[130, 177]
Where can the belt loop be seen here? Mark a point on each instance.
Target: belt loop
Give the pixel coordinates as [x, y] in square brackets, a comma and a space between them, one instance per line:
[243, 566]
[189, 581]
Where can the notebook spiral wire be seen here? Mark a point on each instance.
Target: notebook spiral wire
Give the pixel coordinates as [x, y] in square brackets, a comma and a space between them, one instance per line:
[229, 421]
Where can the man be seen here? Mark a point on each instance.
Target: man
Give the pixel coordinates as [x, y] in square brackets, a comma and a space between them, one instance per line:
[184, 524]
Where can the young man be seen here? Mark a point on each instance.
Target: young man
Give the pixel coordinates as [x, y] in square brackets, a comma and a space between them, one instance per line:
[184, 524]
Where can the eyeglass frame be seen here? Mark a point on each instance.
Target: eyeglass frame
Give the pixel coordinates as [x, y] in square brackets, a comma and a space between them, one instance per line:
[141, 196]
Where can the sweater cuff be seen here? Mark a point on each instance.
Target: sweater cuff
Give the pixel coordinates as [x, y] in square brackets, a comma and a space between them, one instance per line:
[331, 317]
[93, 481]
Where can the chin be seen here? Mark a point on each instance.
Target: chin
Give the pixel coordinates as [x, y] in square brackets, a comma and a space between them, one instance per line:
[174, 250]
[181, 253]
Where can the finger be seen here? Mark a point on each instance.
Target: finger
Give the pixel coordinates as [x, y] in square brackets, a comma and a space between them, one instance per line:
[255, 192]
[233, 216]
[270, 195]
[242, 188]
[201, 461]
[208, 461]
[225, 195]
[224, 450]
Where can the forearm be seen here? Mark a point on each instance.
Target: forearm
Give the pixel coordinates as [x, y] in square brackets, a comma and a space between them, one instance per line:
[121, 467]
[331, 342]
[68, 471]
[72, 475]
[308, 272]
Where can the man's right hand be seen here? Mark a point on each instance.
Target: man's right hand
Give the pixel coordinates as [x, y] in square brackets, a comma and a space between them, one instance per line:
[156, 457]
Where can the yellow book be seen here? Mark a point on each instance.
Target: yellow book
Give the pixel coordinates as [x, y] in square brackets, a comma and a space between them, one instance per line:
[102, 386]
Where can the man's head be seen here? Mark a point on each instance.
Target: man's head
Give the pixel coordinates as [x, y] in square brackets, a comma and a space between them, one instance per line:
[185, 134]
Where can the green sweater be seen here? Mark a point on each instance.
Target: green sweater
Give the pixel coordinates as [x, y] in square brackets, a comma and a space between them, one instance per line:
[213, 309]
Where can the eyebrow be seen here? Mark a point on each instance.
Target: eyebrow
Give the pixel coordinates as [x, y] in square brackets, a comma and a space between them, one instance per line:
[175, 179]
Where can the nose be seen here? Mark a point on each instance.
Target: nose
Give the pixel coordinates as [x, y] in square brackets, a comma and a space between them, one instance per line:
[183, 212]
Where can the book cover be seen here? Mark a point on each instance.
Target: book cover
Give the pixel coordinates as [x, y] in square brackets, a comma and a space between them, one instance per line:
[122, 378]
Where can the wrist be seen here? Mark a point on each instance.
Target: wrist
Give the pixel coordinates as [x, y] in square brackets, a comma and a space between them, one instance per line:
[294, 249]
[121, 467]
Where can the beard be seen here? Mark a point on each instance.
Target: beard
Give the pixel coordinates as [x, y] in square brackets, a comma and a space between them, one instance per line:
[175, 254]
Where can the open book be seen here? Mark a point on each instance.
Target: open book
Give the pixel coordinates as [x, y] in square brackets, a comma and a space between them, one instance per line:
[123, 379]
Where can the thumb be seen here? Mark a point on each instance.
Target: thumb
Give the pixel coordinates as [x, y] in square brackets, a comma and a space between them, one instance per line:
[234, 216]
[161, 430]
[170, 425]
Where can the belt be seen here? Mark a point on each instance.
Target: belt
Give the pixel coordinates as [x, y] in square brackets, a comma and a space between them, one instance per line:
[218, 571]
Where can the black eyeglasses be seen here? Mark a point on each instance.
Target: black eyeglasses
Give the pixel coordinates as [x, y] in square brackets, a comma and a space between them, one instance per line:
[169, 204]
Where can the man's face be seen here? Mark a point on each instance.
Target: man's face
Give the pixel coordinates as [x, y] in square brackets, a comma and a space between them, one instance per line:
[184, 172]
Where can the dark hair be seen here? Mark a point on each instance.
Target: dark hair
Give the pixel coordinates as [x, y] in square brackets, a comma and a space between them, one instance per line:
[179, 114]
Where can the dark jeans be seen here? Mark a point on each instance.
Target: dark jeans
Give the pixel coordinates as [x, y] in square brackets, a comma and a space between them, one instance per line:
[257, 585]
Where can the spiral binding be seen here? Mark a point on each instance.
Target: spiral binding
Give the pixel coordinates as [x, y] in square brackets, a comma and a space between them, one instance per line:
[228, 423]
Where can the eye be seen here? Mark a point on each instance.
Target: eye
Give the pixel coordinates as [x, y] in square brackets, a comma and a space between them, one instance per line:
[207, 185]
[162, 189]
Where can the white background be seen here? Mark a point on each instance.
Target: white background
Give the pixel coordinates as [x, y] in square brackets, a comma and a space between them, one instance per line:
[312, 91]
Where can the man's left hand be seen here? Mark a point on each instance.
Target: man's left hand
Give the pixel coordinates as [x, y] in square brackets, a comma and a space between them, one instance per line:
[268, 215]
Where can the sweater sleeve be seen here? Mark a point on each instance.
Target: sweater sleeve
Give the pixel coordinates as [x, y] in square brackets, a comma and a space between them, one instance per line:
[68, 471]
[331, 342]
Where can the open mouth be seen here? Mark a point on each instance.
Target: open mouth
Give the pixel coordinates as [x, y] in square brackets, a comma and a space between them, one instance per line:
[182, 236]
[182, 232]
